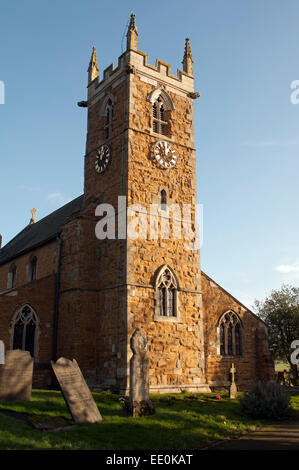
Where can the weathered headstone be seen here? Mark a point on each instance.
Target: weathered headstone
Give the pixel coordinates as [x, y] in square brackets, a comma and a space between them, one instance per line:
[233, 387]
[140, 403]
[16, 376]
[75, 391]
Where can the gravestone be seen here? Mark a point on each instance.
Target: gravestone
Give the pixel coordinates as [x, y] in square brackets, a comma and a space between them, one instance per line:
[140, 403]
[16, 376]
[75, 391]
[233, 387]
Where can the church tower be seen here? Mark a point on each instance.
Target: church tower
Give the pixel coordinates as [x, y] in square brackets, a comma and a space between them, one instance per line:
[140, 186]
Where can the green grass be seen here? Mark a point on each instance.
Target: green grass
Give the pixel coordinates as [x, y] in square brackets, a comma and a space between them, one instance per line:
[295, 400]
[187, 424]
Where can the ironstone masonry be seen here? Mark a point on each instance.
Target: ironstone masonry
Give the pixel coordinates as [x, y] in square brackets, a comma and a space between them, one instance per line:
[64, 292]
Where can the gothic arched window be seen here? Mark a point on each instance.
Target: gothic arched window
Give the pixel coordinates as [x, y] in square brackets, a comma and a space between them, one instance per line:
[160, 124]
[166, 292]
[109, 117]
[24, 326]
[230, 334]
[33, 268]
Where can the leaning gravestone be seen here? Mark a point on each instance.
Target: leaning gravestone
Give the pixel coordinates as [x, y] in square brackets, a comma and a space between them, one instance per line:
[140, 403]
[75, 391]
[16, 376]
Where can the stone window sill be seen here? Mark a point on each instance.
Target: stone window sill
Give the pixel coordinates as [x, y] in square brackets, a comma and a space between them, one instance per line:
[161, 136]
[167, 319]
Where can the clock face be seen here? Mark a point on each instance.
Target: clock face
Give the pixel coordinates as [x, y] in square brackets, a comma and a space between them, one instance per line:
[165, 154]
[102, 158]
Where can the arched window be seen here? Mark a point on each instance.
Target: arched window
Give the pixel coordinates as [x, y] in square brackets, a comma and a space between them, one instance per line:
[109, 118]
[24, 327]
[230, 334]
[163, 199]
[166, 292]
[160, 125]
[33, 269]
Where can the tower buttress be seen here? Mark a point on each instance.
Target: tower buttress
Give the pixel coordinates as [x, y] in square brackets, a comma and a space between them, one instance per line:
[187, 60]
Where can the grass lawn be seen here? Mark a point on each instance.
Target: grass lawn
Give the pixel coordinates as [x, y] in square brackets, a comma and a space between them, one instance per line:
[185, 423]
[280, 367]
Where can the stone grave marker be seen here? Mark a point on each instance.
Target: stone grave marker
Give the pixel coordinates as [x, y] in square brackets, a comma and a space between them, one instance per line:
[233, 387]
[16, 376]
[75, 391]
[140, 403]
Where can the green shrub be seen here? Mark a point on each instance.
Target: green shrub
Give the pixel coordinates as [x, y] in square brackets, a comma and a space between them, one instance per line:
[265, 400]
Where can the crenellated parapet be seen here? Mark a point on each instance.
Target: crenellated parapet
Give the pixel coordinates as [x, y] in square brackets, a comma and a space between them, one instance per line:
[136, 62]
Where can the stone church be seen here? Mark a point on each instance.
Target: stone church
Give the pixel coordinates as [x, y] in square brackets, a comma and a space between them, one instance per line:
[66, 292]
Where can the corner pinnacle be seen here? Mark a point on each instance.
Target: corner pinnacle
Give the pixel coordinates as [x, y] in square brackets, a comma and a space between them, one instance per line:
[93, 68]
[132, 34]
[187, 60]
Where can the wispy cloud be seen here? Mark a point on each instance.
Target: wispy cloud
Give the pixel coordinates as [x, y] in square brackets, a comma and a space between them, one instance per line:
[290, 270]
[270, 143]
[58, 198]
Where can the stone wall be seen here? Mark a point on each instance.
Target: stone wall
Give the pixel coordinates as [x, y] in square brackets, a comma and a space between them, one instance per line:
[41, 297]
[47, 256]
[107, 287]
[176, 351]
[255, 362]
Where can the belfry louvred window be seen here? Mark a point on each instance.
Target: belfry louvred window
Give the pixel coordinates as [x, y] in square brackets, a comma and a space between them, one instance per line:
[166, 285]
[230, 334]
[24, 328]
[159, 120]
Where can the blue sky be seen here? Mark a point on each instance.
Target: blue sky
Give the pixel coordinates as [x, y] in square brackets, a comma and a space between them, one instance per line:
[246, 129]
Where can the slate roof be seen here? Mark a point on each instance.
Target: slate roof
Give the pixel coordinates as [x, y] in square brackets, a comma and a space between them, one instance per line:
[39, 233]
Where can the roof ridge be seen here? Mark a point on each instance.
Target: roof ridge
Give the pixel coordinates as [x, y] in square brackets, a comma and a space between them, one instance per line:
[56, 210]
[39, 233]
[224, 290]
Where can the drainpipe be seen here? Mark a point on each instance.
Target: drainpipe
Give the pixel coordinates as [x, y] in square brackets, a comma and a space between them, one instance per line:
[56, 300]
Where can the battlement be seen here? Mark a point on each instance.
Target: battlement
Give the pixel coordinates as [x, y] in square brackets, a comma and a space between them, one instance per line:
[136, 62]
[133, 61]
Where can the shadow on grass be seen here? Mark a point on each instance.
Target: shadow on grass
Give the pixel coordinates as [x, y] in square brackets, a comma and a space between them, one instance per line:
[180, 423]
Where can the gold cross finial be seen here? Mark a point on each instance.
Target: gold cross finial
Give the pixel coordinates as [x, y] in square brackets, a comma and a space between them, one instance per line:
[33, 214]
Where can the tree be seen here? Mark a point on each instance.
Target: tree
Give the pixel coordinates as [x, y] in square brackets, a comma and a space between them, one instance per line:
[280, 312]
